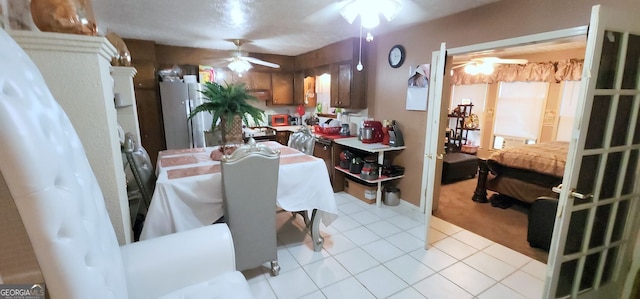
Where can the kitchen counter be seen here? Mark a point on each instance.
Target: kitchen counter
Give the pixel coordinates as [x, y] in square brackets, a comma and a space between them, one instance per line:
[286, 128]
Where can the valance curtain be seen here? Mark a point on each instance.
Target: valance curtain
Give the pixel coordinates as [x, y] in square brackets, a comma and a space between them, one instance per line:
[552, 72]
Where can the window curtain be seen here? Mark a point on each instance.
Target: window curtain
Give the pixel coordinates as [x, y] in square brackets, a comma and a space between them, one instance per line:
[551, 72]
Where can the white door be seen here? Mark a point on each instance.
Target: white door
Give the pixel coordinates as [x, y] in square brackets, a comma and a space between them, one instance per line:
[591, 250]
[434, 150]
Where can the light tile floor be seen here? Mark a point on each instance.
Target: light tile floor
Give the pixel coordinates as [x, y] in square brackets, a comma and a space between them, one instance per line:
[372, 252]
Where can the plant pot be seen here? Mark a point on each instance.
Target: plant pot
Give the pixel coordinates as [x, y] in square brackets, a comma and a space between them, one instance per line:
[233, 134]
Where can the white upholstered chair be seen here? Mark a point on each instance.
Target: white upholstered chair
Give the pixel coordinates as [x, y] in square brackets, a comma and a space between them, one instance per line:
[139, 170]
[249, 184]
[45, 167]
[302, 140]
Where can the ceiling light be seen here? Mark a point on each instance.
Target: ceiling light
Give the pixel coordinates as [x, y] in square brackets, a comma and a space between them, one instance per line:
[239, 65]
[482, 68]
[369, 11]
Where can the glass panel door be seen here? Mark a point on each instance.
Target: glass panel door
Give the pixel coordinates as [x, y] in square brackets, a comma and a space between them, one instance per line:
[600, 193]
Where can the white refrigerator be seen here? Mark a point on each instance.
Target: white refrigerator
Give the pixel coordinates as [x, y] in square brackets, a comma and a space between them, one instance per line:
[178, 99]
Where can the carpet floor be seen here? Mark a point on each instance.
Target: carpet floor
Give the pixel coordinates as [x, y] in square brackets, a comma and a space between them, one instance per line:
[504, 226]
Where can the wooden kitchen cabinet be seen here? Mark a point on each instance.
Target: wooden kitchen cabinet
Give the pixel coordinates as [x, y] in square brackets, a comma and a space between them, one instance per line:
[347, 86]
[282, 137]
[255, 80]
[146, 74]
[282, 88]
[341, 85]
[298, 88]
[304, 89]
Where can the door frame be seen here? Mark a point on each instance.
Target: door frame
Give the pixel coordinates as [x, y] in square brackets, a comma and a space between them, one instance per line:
[510, 42]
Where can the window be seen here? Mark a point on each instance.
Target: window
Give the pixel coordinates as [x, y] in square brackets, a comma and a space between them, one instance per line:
[519, 112]
[568, 106]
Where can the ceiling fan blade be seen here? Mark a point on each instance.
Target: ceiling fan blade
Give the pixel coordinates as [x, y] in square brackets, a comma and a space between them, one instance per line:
[217, 62]
[513, 61]
[261, 62]
[503, 61]
[459, 65]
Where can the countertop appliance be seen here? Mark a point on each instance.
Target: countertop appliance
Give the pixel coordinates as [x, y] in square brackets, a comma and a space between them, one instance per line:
[372, 131]
[178, 100]
[395, 135]
[279, 120]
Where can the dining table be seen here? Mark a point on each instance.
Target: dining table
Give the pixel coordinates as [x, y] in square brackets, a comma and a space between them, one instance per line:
[188, 192]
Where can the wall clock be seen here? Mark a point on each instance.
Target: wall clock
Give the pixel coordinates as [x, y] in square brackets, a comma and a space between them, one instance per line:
[396, 56]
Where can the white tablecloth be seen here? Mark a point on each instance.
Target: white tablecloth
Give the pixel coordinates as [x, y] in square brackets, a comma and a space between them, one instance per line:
[188, 190]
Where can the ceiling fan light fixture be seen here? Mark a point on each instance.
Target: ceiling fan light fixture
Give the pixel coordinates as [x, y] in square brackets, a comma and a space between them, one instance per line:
[239, 66]
[471, 69]
[486, 68]
[370, 19]
[369, 11]
[481, 68]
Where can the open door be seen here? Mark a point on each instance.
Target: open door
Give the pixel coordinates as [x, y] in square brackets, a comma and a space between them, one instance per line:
[595, 226]
[434, 151]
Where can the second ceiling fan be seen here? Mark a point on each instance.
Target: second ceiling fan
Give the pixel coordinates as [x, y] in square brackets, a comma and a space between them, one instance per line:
[485, 65]
[240, 61]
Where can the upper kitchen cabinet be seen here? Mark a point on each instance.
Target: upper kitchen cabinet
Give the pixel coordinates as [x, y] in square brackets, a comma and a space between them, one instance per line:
[304, 89]
[258, 83]
[282, 88]
[143, 58]
[146, 77]
[341, 85]
[348, 86]
[255, 80]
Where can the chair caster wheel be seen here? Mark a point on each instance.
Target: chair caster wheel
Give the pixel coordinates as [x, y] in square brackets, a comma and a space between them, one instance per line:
[275, 268]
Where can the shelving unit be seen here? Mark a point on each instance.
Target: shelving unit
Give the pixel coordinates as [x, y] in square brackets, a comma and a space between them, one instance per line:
[380, 179]
[375, 148]
[460, 133]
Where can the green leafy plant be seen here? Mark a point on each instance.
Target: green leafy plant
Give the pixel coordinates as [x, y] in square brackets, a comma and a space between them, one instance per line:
[226, 101]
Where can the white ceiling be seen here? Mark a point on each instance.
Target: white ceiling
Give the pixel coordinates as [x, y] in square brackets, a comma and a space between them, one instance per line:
[285, 27]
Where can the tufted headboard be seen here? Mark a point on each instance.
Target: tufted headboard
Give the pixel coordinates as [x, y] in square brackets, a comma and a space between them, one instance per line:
[57, 195]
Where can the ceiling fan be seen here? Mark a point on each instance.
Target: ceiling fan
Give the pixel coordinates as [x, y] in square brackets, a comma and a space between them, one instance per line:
[240, 61]
[485, 65]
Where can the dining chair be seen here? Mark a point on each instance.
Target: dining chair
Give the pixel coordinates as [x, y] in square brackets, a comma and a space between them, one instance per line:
[304, 141]
[249, 184]
[64, 213]
[140, 166]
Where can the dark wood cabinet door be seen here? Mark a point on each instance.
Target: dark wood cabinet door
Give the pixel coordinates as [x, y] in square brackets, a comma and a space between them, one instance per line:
[341, 75]
[298, 88]
[255, 80]
[146, 75]
[282, 137]
[282, 88]
[150, 119]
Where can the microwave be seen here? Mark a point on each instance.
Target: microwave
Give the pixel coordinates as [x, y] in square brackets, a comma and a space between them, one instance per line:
[280, 120]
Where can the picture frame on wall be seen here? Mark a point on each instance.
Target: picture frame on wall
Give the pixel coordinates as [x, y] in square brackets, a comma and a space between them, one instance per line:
[418, 87]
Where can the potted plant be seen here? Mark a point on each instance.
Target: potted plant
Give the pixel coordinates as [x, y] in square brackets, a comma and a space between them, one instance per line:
[229, 106]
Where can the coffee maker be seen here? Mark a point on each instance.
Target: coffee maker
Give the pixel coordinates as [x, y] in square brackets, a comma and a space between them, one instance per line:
[372, 131]
[395, 134]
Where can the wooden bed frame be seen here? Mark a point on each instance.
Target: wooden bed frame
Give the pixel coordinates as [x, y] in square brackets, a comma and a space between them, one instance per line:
[518, 183]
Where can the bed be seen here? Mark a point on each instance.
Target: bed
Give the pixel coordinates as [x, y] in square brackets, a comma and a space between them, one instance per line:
[525, 172]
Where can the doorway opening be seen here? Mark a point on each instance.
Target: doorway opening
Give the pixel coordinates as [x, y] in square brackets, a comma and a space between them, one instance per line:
[504, 222]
